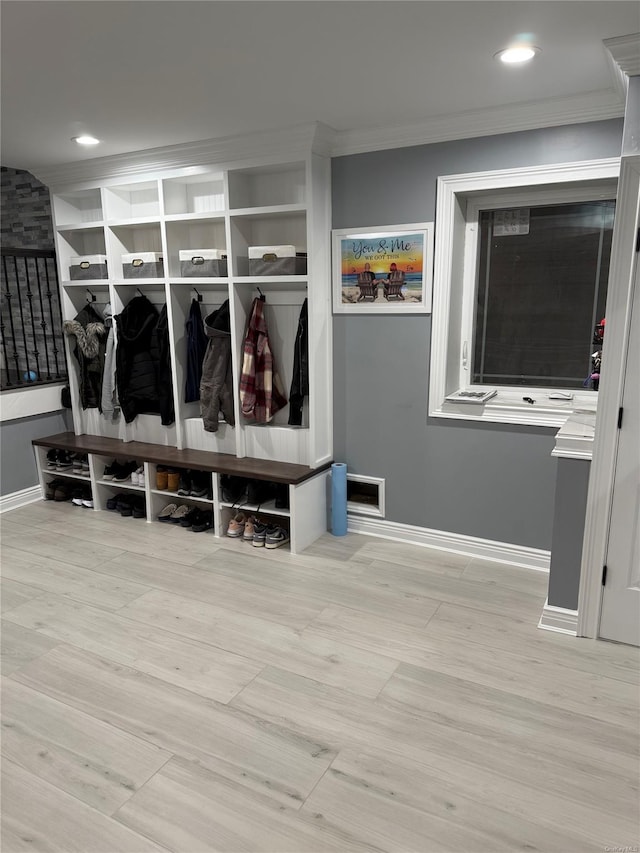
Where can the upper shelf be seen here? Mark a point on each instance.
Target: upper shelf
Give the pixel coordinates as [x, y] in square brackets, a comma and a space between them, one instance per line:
[267, 186]
[132, 201]
[78, 209]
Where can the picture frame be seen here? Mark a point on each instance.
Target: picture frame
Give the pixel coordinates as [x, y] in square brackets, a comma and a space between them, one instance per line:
[385, 270]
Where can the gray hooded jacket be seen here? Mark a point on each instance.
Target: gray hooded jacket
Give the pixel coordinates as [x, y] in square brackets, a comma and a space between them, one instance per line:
[216, 385]
[110, 406]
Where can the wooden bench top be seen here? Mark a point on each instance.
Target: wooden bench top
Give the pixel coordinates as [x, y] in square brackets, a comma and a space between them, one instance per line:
[200, 460]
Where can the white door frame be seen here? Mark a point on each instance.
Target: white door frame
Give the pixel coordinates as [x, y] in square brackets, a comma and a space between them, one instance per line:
[624, 258]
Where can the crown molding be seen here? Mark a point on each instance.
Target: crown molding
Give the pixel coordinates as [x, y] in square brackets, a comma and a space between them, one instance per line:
[301, 140]
[625, 51]
[293, 142]
[550, 112]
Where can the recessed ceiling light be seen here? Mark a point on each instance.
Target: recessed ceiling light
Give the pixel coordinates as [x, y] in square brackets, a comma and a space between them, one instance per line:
[85, 140]
[518, 53]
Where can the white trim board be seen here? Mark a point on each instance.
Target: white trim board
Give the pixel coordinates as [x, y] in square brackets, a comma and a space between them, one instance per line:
[457, 543]
[15, 500]
[27, 402]
[558, 619]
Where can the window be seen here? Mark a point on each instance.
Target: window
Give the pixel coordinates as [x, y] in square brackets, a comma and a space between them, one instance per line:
[520, 281]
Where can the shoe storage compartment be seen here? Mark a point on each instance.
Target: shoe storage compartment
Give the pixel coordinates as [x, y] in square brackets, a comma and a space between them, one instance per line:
[306, 488]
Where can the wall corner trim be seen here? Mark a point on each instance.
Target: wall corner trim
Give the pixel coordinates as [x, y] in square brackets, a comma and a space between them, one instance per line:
[558, 619]
[14, 500]
[471, 546]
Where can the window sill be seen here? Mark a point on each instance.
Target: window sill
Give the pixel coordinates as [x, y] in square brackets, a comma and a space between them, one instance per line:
[542, 413]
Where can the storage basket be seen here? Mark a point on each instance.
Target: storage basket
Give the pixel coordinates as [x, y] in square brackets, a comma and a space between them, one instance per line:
[277, 260]
[88, 267]
[202, 263]
[143, 265]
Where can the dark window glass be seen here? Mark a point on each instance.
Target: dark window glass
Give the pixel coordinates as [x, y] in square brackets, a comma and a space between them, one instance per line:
[541, 289]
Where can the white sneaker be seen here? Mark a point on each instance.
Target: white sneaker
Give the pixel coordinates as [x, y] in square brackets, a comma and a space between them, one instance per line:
[141, 477]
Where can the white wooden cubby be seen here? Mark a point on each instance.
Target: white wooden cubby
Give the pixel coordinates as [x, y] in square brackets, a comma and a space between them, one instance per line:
[194, 197]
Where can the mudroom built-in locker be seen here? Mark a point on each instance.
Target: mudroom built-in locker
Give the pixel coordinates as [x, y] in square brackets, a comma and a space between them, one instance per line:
[196, 242]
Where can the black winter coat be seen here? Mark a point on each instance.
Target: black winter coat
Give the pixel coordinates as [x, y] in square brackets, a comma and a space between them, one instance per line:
[143, 371]
[196, 348]
[300, 381]
[90, 335]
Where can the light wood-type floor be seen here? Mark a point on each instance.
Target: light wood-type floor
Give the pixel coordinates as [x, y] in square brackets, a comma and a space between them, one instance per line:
[164, 690]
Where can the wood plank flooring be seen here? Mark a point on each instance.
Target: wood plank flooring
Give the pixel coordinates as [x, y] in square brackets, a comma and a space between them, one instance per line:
[169, 691]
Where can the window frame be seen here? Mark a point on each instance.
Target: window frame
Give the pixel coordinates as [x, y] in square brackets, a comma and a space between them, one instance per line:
[459, 199]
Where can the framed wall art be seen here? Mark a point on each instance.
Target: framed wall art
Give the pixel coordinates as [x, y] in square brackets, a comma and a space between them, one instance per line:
[385, 270]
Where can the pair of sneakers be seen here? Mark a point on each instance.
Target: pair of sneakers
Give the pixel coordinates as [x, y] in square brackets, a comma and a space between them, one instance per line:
[61, 460]
[120, 471]
[257, 532]
[82, 497]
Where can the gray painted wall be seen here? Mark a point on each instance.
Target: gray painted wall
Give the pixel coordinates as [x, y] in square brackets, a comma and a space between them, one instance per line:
[568, 529]
[17, 461]
[491, 481]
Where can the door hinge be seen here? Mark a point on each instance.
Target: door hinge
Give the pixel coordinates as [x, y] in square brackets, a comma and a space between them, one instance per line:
[620, 411]
[604, 575]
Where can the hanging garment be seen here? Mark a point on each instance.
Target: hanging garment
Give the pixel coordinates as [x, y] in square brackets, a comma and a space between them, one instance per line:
[300, 381]
[90, 336]
[216, 384]
[164, 379]
[110, 405]
[141, 348]
[196, 348]
[261, 391]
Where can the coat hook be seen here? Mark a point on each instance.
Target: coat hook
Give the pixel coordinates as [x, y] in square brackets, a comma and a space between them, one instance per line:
[139, 292]
[91, 297]
[198, 295]
[261, 293]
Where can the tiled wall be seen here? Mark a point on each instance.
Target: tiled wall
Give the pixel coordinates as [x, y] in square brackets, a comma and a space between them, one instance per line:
[26, 211]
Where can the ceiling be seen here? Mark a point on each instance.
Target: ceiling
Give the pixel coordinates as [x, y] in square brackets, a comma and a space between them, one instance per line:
[144, 73]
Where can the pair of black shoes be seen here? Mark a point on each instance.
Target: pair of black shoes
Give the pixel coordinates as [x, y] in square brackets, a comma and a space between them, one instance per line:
[195, 484]
[119, 471]
[58, 490]
[198, 520]
[128, 505]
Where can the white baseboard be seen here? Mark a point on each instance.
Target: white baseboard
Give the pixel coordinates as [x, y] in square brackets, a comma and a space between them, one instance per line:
[15, 500]
[559, 619]
[471, 546]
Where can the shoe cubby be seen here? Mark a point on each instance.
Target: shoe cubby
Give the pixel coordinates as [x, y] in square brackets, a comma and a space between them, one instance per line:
[117, 472]
[270, 530]
[305, 517]
[193, 194]
[78, 208]
[169, 482]
[195, 234]
[268, 186]
[140, 200]
[121, 500]
[183, 513]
